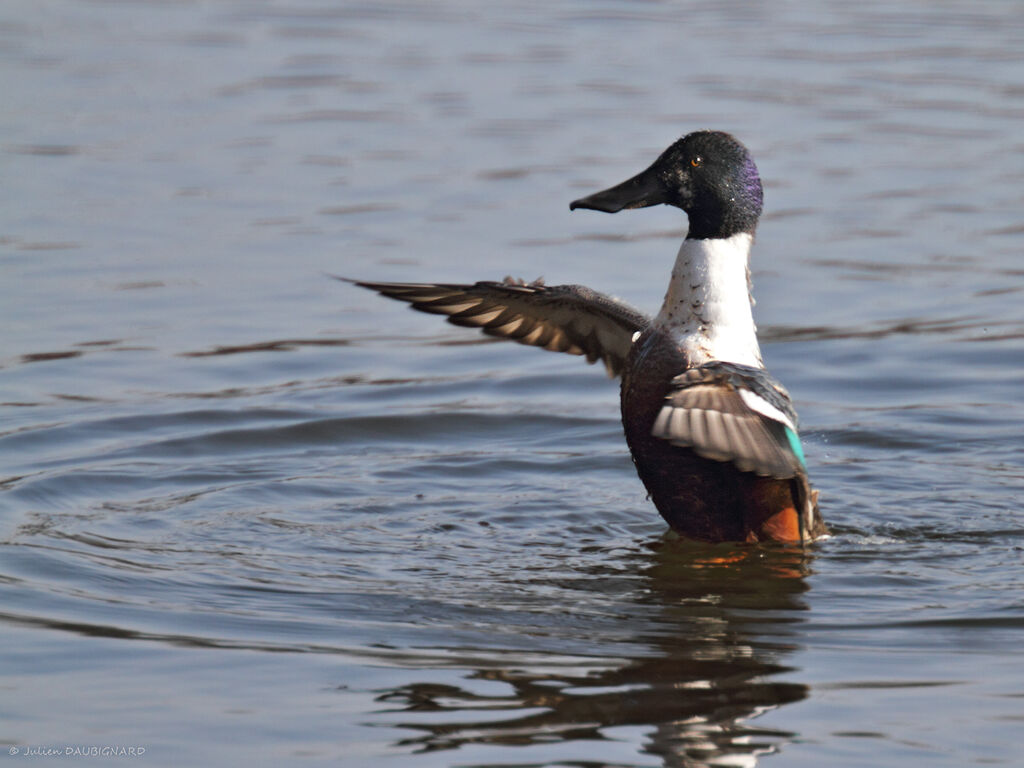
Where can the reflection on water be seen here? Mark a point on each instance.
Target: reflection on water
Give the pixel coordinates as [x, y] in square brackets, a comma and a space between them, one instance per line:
[669, 647]
[710, 662]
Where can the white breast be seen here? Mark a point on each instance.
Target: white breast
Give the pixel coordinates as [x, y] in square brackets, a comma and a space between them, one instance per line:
[707, 307]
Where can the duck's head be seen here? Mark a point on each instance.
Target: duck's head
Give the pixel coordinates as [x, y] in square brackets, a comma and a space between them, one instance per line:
[708, 174]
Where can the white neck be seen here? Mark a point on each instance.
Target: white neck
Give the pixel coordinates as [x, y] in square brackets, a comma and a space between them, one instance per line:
[708, 305]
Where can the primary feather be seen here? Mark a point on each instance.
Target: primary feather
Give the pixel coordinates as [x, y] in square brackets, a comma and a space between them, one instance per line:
[560, 318]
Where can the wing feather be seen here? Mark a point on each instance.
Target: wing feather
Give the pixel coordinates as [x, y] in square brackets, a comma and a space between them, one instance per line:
[709, 410]
[560, 318]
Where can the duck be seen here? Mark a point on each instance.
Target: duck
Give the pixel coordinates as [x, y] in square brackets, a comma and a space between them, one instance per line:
[713, 436]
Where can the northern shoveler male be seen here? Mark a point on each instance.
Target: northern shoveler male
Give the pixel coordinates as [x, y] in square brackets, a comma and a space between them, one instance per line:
[712, 434]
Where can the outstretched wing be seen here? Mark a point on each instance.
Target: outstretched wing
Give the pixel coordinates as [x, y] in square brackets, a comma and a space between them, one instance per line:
[561, 318]
[733, 413]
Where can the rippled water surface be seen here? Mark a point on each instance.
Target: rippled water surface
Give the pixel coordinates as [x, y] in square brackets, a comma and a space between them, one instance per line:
[255, 516]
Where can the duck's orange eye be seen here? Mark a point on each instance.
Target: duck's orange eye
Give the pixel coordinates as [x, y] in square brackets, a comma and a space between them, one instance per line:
[696, 161]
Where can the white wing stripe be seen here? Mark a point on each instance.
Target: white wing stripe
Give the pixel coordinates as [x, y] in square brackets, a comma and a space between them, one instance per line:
[759, 405]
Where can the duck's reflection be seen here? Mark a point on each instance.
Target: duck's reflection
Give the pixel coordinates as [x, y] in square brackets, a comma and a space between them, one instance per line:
[709, 661]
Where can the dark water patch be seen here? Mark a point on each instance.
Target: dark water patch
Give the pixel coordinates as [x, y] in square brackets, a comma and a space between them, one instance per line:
[81, 349]
[350, 210]
[45, 150]
[910, 326]
[280, 345]
[512, 174]
[789, 213]
[336, 432]
[297, 386]
[1014, 229]
[41, 357]
[335, 82]
[47, 245]
[383, 116]
[512, 127]
[888, 684]
[605, 237]
[101, 343]
[141, 285]
[328, 161]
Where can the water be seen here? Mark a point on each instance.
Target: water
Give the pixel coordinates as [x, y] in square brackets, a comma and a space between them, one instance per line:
[255, 516]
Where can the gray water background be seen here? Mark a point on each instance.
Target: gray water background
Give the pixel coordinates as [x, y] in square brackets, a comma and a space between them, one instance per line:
[251, 515]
